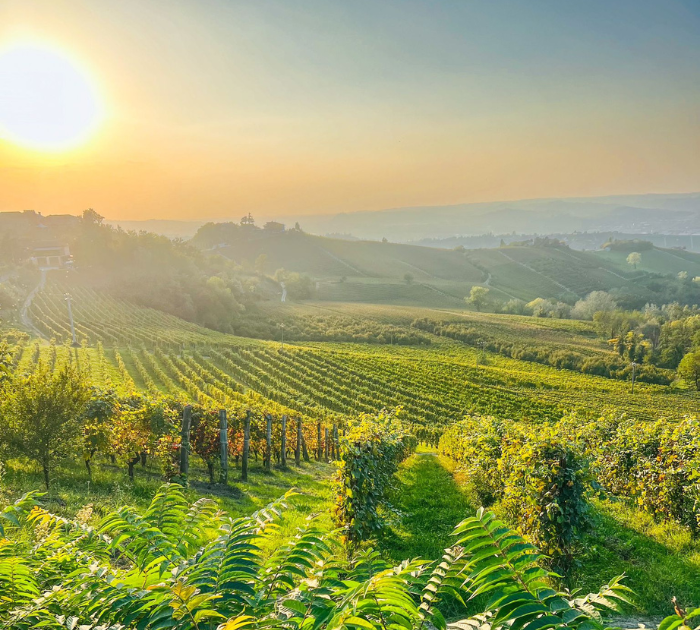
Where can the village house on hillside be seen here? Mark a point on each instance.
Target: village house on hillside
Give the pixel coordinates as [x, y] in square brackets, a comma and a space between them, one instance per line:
[51, 257]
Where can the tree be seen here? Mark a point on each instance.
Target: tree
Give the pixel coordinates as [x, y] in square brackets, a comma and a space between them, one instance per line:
[634, 259]
[539, 307]
[261, 263]
[90, 217]
[477, 297]
[689, 368]
[408, 278]
[514, 306]
[594, 302]
[42, 415]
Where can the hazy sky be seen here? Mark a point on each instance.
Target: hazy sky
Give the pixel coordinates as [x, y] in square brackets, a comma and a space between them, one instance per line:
[213, 108]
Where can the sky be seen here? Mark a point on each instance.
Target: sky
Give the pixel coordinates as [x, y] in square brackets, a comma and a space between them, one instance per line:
[216, 108]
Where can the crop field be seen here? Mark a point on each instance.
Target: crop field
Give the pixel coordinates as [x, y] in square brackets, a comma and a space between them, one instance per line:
[436, 384]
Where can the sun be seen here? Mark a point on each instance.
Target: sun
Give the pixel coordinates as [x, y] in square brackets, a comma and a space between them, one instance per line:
[47, 102]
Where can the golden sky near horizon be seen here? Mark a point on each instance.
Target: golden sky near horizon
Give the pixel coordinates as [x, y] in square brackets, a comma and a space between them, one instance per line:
[215, 108]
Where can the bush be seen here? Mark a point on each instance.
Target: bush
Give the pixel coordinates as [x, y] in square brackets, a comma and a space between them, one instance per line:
[655, 463]
[539, 478]
[370, 454]
[545, 485]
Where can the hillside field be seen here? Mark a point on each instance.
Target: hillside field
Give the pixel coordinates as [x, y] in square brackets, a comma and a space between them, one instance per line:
[657, 260]
[374, 272]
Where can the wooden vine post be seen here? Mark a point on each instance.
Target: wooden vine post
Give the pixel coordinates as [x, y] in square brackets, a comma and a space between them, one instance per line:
[336, 453]
[319, 443]
[185, 443]
[223, 441]
[246, 447]
[304, 449]
[326, 444]
[297, 450]
[268, 444]
[283, 446]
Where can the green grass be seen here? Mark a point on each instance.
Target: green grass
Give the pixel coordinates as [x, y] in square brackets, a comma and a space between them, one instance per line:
[427, 504]
[110, 489]
[660, 559]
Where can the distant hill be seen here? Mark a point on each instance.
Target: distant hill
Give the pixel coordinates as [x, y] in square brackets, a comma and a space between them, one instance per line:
[679, 213]
[391, 273]
[576, 240]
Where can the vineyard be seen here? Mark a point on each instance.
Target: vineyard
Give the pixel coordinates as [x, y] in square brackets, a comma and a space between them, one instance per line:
[533, 440]
[128, 347]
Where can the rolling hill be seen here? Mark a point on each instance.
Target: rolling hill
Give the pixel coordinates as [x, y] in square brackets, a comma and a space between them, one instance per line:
[657, 260]
[390, 273]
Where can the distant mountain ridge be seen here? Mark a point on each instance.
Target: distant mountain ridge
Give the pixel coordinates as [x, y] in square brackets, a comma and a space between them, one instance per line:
[677, 213]
[639, 214]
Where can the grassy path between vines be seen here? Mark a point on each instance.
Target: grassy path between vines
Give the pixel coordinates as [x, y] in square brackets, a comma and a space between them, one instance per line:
[428, 503]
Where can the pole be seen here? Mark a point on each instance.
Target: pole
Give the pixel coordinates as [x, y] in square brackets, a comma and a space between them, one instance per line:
[185, 443]
[319, 442]
[297, 450]
[268, 444]
[326, 444]
[246, 447]
[223, 438]
[283, 447]
[72, 324]
[634, 374]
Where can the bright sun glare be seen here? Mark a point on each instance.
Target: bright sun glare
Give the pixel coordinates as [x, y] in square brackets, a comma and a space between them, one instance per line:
[46, 102]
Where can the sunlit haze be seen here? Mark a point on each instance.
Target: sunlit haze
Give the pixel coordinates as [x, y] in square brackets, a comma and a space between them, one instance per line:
[45, 102]
[216, 108]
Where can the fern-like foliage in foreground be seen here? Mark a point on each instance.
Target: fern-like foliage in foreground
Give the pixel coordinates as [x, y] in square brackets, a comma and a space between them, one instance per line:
[507, 571]
[191, 567]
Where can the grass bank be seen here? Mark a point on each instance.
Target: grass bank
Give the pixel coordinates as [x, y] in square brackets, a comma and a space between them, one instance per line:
[110, 488]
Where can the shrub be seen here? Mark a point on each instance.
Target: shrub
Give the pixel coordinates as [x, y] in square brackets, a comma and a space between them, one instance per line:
[544, 487]
[370, 454]
[655, 463]
[539, 478]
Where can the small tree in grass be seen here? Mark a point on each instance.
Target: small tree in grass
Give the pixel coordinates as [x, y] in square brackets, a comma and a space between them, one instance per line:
[42, 415]
[634, 259]
[477, 297]
[689, 368]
